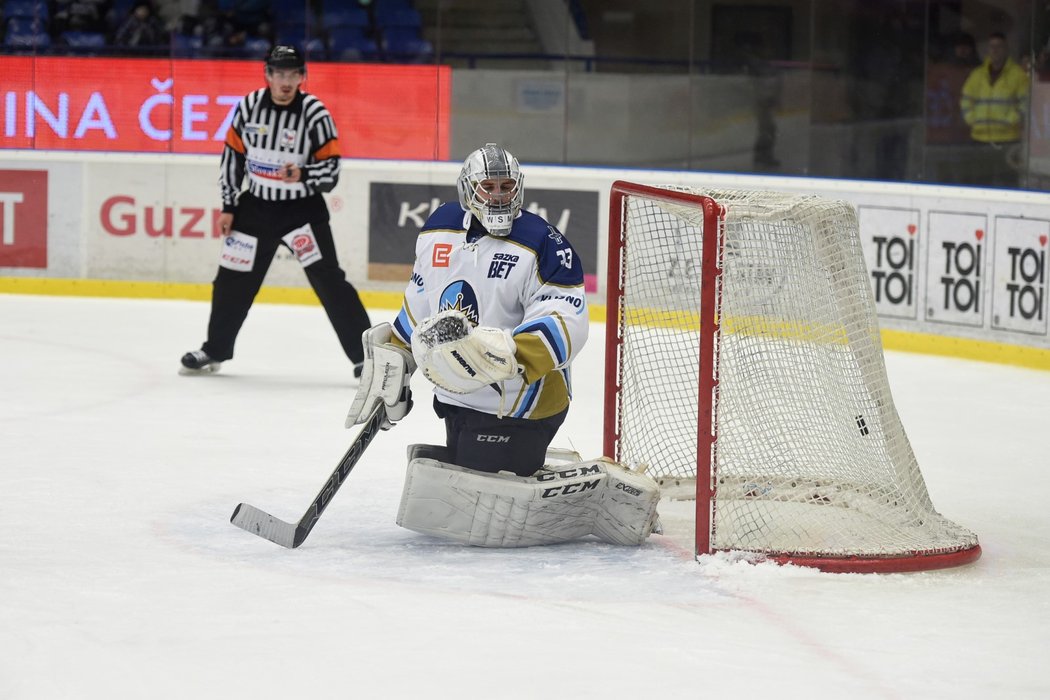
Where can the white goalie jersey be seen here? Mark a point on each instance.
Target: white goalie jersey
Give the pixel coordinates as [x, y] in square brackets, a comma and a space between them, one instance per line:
[530, 283]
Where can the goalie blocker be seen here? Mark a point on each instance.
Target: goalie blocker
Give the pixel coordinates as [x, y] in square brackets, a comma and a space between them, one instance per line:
[556, 504]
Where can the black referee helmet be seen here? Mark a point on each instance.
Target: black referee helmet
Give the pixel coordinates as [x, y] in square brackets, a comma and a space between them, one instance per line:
[283, 57]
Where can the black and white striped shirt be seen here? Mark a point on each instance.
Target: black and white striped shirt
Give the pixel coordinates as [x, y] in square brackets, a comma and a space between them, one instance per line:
[264, 136]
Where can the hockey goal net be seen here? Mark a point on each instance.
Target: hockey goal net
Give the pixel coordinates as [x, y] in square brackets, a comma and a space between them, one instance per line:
[744, 365]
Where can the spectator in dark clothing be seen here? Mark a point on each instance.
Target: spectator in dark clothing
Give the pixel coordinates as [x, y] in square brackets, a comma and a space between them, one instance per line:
[767, 85]
[250, 13]
[141, 30]
[964, 51]
[78, 15]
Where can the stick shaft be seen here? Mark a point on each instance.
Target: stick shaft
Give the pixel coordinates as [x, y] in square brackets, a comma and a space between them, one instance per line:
[291, 535]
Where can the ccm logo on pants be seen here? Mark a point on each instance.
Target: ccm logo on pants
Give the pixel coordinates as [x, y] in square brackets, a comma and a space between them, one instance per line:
[493, 438]
[238, 252]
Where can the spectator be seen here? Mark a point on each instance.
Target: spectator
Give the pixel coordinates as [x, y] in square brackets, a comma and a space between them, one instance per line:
[767, 85]
[964, 51]
[994, 102]
[141, 31]
[172, 13]
[215, 31]
[1041, 63]
[78, 15]
[884, 89]
[250, 13]
[944, 123]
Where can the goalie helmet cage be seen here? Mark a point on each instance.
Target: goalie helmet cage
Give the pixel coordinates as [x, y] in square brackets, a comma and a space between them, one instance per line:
[743, 360]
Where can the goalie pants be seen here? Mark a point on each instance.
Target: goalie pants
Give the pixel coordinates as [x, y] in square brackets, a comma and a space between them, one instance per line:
[233, 291]
[487, 443]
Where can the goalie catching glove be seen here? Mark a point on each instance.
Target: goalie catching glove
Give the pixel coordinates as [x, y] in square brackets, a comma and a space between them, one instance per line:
[461, 358]
[385, 376]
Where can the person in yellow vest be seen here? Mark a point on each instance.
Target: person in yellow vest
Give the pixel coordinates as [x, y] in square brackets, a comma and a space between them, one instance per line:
[994, 103]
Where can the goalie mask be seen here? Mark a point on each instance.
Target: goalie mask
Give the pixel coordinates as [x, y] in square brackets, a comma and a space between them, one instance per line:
[492, 188]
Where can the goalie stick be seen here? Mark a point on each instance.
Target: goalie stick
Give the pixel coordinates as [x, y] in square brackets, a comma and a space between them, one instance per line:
[291, 535]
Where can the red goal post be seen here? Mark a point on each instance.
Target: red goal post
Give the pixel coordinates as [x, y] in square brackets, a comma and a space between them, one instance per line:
[744, 367]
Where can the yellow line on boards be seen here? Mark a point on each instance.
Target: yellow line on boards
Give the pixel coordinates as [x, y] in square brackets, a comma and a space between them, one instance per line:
[967, 349]
[168, 290]
[924, 343]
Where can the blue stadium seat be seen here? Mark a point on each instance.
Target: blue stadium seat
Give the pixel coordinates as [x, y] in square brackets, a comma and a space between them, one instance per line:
[83, 43]
[186, 45]
[405, 44]
[294, 10]
[348, 32]
[387, 4]
[256, 47]
[23, 33]
[345, 16]
[291, 32]
[298, 34]
[26, 8]
[393, 16]
[349, 43]
[315, 49]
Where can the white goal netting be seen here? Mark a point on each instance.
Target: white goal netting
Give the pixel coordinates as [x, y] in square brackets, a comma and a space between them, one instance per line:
[810, 457]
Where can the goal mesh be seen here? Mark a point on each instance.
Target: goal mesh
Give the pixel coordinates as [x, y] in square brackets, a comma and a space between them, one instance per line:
[801, 447]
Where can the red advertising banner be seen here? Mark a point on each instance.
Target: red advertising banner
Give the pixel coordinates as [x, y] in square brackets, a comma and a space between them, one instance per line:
[23, 218]
[184, 106]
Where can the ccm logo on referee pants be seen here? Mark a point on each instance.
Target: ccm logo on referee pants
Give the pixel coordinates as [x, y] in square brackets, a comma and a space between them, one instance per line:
[493, 438]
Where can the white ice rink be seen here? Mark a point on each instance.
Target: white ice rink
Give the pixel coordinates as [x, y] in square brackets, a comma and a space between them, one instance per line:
[121, 576]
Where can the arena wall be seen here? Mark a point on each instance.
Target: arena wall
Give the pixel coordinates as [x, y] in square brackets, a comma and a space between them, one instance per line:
[955, 271]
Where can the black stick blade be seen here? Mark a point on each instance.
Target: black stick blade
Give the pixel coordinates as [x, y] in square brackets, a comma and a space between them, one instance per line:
[264, 525]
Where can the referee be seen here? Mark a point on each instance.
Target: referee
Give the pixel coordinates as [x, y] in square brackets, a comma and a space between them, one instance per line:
[285, 143]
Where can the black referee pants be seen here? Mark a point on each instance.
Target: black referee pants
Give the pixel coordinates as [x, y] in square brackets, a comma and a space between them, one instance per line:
[233, 291]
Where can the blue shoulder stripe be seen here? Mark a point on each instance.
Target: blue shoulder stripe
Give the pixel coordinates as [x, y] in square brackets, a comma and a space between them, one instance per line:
[403, 326]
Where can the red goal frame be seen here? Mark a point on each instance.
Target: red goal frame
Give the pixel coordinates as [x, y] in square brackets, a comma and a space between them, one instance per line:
[712, 248]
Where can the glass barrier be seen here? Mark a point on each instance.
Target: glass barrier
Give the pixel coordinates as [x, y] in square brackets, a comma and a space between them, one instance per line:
[899, 91]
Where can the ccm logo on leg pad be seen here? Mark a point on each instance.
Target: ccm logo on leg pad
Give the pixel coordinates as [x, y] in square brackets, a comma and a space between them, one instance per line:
[493, 438]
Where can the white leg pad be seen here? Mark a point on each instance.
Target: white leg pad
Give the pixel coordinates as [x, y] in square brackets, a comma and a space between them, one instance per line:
[504, 510]
[627, 510]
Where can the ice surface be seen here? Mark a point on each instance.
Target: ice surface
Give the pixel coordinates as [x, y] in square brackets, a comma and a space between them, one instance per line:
[121, 576]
